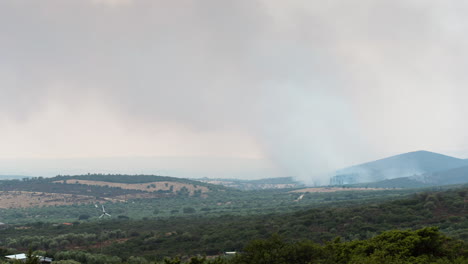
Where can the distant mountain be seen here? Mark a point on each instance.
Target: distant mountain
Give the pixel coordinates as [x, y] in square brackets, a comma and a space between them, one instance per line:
[451, 176]
[409, 165]
[447, 177]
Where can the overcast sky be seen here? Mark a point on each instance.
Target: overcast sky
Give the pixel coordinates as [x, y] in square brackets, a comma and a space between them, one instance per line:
[299, 88]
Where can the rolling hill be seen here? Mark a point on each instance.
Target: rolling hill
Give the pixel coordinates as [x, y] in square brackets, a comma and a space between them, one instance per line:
[93, 188]
[412, 165]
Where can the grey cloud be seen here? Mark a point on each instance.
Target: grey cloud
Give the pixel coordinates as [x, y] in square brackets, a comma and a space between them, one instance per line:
[320, 84]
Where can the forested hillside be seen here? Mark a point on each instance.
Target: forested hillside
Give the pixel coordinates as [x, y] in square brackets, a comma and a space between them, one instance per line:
[156, 238]
[95, 188]
[410, 168]
[74, 198]
[426, 245]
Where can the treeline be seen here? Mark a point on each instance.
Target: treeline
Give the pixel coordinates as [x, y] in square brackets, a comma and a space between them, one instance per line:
[424, 246]
[48, 185]
[62, 241]
[133, 179]
[55, 184]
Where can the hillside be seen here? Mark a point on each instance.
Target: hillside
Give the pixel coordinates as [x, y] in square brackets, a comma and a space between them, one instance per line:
[28, 201]
[157, 238]
[403, 165]
[403, 182]
[96, 188]
[451, 176]
[447, 177]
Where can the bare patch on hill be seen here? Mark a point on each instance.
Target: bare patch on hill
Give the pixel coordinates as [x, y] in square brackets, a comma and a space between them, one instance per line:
[21, 199]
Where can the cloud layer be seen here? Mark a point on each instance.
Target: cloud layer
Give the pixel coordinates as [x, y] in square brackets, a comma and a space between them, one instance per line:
[309, 85]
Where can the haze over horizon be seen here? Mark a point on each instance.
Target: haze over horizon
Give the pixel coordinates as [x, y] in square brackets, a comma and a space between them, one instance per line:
[249, 88]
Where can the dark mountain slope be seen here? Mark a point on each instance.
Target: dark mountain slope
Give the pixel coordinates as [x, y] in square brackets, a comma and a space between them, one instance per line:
[451, 176]
[403, 165]
[447, 177]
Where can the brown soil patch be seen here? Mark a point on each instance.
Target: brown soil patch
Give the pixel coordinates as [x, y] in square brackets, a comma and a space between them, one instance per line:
[146, 187]
[15, 199]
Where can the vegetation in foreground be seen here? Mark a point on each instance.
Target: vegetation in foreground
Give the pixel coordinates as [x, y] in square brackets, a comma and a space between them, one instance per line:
[423, 246]
[426, 245]
[124, 240]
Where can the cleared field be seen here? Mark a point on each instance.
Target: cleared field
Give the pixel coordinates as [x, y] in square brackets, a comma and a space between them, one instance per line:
[335, 189]
[21, 199]
[147, 187]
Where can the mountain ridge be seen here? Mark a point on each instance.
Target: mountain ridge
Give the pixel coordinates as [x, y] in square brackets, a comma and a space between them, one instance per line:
[410, 164]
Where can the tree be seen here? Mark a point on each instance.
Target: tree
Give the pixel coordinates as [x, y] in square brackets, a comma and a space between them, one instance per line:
[172, 261]
[189, 210]
[275, 251]
[83, 217]
[66, 261]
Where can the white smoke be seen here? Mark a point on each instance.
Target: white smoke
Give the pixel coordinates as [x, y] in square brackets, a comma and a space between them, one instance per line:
[310, 85]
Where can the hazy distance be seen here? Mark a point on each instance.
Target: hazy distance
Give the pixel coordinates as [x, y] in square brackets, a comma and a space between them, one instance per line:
[230, 88]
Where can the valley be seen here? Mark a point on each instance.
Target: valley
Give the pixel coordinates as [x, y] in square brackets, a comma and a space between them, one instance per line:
[149, 230]
[115, 218]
